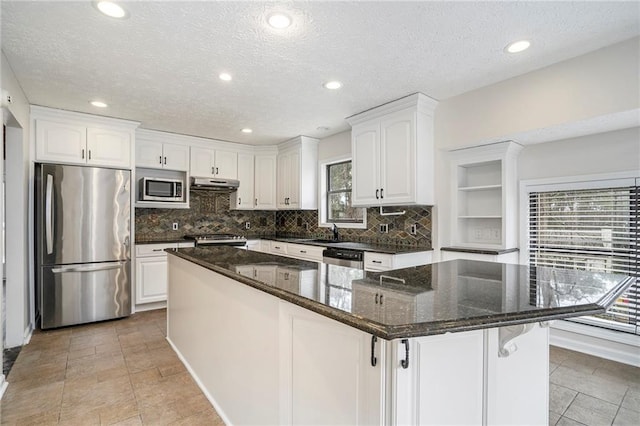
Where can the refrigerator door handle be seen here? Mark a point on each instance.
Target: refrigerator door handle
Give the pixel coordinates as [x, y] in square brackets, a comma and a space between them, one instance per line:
[49, 214]
[84, 268]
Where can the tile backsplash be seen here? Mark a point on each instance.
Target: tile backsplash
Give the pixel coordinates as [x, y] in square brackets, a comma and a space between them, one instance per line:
[304, 223]
[209, 212]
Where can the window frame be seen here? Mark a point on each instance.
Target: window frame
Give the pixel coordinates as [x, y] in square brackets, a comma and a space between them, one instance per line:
[323, 191]
[566, 184]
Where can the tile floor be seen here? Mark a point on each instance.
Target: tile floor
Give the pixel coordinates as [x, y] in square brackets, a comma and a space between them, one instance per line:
[586, 390]
[124, 372]
[117, 372]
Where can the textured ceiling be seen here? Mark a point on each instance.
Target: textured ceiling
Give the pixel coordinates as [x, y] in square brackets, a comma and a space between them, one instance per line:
[160, 66]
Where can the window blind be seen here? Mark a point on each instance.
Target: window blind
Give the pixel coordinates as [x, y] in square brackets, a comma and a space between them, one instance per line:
[594, 230]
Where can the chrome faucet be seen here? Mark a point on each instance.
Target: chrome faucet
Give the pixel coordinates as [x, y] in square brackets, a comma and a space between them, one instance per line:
[335, 232]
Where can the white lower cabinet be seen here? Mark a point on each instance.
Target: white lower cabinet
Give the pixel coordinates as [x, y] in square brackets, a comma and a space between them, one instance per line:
[151, 271]
[379, 262]
[326, 376]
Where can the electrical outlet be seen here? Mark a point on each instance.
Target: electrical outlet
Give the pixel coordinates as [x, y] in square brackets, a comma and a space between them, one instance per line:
[384, 228]
[247, 225]
[175, 226]
[414, 229]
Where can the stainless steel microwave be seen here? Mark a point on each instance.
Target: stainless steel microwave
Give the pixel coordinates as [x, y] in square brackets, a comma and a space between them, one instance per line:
[161, 189]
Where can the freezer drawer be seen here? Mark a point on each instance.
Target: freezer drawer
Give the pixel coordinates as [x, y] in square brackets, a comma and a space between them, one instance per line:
[81, 293]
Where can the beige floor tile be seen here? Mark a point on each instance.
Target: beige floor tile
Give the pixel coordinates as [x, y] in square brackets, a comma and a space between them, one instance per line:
[626, 417]
[553, 418]
[631, 400]
[560, 398]
[19, 404]
[565, 421]
[591, 411]
[131, 421]
[589, 384]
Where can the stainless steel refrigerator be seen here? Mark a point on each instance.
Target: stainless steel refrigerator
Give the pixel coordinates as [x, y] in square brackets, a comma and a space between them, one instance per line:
[83, 238]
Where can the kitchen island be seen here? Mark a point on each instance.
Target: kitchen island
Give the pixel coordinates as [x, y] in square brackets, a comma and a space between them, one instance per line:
[275, 340]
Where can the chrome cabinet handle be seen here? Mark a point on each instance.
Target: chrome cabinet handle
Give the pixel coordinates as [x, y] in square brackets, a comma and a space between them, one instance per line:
[303, 251]
[49, 221]
[374, 360]
[376, 261]
[377, 191]
[165, 160]
[381, 296]
[158, 250]
[239, 200]
[161, 159]
[405, 362]
[89, 154]
[213, 170]
[376, 298]
[381, 193]
[256, 203]
[217, 171]
[83, 154]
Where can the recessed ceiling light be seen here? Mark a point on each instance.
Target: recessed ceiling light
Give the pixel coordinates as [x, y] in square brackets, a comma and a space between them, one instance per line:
[224, 76]
[246, 130]
[111, 9]
[279, 20]
[98, 104]
[517, 46]
[322, 128]
[332, 85]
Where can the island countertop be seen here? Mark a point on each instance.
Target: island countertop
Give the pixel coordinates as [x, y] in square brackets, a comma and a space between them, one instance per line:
[452, 296]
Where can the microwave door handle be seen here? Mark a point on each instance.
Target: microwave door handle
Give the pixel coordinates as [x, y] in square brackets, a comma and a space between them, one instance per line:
[49, 214]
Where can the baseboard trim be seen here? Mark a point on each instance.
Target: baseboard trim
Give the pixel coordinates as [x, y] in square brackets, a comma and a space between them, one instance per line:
[28, 332]
[150, 306]
[204, 390]
[607, 344]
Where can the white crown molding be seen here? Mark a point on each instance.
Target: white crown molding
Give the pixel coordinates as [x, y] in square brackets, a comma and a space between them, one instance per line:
[421, 102]
[39, 112]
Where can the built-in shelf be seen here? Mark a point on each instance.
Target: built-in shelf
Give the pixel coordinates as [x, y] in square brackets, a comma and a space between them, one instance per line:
[484, 196]
[479, 188]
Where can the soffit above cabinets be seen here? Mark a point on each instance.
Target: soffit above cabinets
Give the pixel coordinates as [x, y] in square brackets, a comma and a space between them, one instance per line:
[160, 66]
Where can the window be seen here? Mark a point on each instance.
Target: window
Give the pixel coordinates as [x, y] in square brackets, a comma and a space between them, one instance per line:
[336, 203]
[594, 229]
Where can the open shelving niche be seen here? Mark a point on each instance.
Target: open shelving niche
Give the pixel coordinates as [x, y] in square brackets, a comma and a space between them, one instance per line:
[484, 189]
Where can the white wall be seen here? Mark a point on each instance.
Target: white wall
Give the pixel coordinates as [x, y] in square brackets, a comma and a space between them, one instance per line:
[338, 145]
[595, 154]
[17, 213]
[597, 84]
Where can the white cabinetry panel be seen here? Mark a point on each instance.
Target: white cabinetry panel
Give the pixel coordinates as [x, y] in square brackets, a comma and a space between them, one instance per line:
[60, 142]
[108, 147]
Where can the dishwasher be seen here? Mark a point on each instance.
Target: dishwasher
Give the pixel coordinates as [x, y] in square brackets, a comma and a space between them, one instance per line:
[343, 257]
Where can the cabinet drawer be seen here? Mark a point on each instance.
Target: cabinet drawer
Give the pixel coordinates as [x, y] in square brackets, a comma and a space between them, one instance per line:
[377, 261]
[145, 250]
[186, 244]
[278, 247]
[305, 252]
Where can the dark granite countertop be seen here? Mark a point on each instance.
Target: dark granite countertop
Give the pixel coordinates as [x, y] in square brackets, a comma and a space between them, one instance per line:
[377, 248]
[457, 295]
[161, 240]
[479, 250]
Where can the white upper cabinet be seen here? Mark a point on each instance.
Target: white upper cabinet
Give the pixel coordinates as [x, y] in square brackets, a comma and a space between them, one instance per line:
[66, 137]
[243, 198]
[265, 182]
[392, 148]
[155, 154]
[297, 182]
[212, 163]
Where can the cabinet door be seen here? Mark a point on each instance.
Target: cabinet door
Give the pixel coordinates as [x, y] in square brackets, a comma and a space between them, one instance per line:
[288, 279]
[365, 300]
[294, 180]
[265, 182]
[283, 180]
[226, 164]
[108, 147]
[151, 279]
[202, 162]
[265, 274]
[365, 145]
[175, 157]
[149, 154]
[60, 142]
[245, 270]
[397, 158]
[326, 376]
[243, 198]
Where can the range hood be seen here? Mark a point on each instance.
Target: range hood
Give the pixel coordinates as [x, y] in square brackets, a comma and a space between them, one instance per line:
[214, 184]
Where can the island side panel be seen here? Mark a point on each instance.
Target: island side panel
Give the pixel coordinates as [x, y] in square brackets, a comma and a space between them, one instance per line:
[227, 334]
[517, 386]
